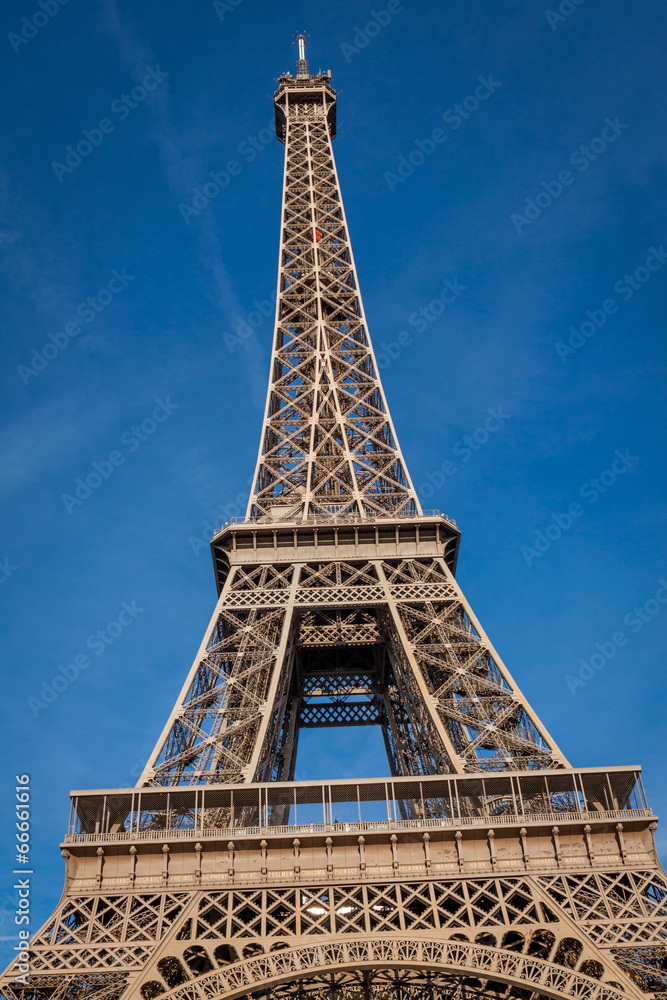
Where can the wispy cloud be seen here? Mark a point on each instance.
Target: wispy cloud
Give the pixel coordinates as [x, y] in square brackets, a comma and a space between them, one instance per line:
[53, 432]
[182, 167]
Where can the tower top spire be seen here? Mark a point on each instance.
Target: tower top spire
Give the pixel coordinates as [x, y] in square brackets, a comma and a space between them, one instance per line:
[302, 62]
[303, 89]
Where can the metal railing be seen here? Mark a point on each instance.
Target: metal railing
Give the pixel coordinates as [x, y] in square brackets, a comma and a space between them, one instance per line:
[491, 798]
[229, 832]
[290, 519]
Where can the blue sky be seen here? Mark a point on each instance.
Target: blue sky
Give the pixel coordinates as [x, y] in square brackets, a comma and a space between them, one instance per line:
[166, 347]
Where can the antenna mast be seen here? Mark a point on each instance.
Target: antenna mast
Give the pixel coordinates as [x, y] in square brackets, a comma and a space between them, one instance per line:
[302, 62]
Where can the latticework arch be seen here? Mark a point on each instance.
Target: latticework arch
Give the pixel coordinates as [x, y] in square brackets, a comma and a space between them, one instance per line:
[456, 963]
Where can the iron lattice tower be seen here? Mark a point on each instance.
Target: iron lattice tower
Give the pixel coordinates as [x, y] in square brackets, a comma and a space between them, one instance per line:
[486, 866]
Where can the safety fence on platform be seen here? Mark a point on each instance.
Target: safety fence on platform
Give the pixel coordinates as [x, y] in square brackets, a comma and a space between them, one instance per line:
[334, 518]
[391, 803]
[225, 833]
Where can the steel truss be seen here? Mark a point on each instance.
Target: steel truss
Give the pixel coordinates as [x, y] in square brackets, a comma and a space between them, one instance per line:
[413, 649]
[338, 606]
[328, 444]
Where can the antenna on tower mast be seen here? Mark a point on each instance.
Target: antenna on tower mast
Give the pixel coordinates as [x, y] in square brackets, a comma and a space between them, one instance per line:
[302, 62]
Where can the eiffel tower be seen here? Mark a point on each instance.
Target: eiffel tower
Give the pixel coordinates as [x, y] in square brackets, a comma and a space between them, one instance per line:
[485, 866]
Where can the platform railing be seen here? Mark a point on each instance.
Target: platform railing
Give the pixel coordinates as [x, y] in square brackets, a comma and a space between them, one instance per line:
[333, 519]
[368, 826]
[491, 798]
